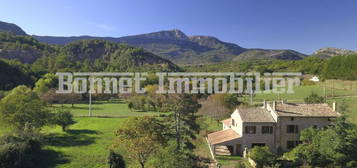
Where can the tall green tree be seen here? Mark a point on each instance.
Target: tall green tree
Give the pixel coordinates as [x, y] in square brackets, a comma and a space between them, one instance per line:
[64, 118]
[22, 106]
[140, 138]
[183, 119]
[44, 84]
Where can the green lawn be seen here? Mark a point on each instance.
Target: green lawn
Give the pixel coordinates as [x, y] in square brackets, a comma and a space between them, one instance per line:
[113, 108]
[303, 91]
[231, 161]
[85, 145]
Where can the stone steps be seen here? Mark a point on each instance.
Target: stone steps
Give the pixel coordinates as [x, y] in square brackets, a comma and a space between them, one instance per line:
[222, 150]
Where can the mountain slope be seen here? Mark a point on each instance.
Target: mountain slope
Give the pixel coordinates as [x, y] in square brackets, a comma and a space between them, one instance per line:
[176, 46]
[182, 49]
[23, 48]
[179, 48]
[102, 55]
[9, 27]
[330, 52]
[269, 54]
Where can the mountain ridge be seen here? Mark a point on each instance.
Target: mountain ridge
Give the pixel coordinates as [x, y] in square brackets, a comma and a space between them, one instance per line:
[176, 46]
[13, 28]
[179, 48]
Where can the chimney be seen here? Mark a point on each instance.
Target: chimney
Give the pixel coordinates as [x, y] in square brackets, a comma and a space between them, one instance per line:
[334, 106]
[274, 105]
[282, 101]
[264, 104]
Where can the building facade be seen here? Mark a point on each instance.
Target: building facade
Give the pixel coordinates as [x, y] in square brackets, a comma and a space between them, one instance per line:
[276, 125]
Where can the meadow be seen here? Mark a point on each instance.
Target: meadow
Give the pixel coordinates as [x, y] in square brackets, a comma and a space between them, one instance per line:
[87, 143]
[112, 108]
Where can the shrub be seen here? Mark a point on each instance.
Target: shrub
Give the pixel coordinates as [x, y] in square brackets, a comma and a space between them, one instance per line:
[307, 82]
[19, 150]
[115, 160]
[262, 156]
[64, 118]
[314, 98]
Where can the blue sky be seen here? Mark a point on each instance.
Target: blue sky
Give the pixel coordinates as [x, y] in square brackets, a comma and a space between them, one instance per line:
[302, 25]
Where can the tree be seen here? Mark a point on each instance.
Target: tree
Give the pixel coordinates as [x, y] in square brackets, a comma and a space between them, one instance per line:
[314, 98]
[19, 149]
[183, 120]
[71, 98]
[333, 146]
[140, 138]
[262, 156]
[44, 84]
[64, 118]
[219, 106]
[22, 106]
[341, 67]
[138, 102]
[115, 160]
[342, 107]
[169, 157]
[12, 74]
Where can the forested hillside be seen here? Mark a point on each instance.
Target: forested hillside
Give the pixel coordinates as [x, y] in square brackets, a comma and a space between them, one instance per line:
[176, 46]
[9, 27]
[23, 48]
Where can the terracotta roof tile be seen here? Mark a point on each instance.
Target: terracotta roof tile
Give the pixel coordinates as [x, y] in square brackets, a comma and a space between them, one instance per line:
[222, 136]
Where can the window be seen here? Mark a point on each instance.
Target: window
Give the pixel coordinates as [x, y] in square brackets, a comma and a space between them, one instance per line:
[257, 144]
[292, 144]
[267, 129]
[292, 129]
[314, 126]
[292, 119]
[250, 129]
[233, 124]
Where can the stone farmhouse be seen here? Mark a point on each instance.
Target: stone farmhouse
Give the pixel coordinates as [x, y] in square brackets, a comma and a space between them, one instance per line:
[276, 125]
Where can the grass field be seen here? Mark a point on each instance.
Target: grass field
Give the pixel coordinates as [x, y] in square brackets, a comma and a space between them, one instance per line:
[85, 145]
[113, 108]
[342, 91]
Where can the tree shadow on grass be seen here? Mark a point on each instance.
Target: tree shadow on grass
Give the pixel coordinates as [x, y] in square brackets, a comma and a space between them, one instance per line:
[71, 138]
[85, 108]
[83, 131]
[115, 101]
[50, 158]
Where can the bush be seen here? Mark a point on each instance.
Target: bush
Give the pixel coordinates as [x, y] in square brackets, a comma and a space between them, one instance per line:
[313, 98]
[115, 160]
[307, 82]
[64, 118]
[20, 149]
[262, 156]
